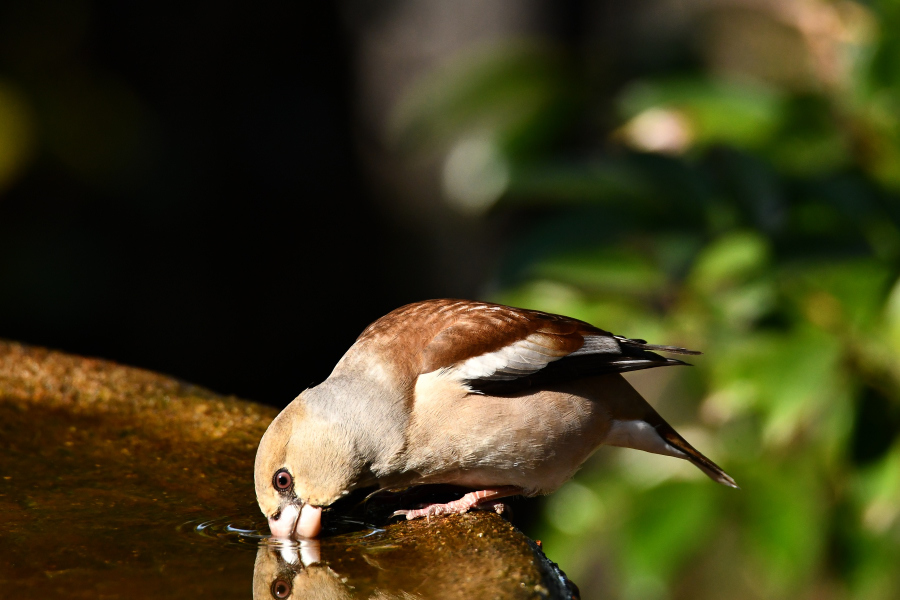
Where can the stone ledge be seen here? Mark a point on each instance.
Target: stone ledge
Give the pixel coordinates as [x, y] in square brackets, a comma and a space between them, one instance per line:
[108, 466]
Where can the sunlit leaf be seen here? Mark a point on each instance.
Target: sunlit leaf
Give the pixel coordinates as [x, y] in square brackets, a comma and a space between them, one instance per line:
[730, 260]
[716, 111]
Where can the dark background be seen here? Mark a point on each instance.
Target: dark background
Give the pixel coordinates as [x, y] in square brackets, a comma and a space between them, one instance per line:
[195, 205]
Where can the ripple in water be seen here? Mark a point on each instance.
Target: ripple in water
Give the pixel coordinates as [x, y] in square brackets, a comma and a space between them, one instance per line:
[250, 531]
[230, 529]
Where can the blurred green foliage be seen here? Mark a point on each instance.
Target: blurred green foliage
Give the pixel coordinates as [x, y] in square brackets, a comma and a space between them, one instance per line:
[726, 207]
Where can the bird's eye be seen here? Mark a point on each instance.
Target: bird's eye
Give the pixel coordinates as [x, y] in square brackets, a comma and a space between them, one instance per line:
[281, 589]
[282, 480]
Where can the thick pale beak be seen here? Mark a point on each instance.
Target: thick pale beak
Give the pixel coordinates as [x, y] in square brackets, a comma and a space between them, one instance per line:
[283, 527]
[305, 522]
[309, 525]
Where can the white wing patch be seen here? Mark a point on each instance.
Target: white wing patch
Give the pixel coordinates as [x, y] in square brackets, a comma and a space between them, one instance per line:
[528, 356]
[522, 358]
[598, 344]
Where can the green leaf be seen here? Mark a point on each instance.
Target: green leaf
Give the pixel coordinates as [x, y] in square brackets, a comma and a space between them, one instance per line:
[718, 111]
[731, 259]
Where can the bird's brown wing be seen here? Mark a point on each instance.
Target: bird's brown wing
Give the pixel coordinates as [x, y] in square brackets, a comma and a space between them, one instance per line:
[500, 349]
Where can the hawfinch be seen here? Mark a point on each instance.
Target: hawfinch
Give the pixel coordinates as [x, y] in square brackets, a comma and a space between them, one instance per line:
[504, 401]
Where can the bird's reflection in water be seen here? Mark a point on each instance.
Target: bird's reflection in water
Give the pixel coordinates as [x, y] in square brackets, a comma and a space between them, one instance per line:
[297, 571]
[471, 556]
[294, 571]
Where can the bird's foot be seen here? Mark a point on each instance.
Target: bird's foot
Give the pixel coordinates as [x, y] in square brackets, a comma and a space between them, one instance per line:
[487, 499]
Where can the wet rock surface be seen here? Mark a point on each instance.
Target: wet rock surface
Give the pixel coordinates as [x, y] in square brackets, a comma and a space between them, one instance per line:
[120, 483]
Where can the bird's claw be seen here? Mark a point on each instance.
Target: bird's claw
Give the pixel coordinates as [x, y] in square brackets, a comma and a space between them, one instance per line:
[432, 510]
[481, 500]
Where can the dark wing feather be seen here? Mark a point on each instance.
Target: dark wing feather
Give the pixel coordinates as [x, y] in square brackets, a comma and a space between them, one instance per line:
[599, 355]
[643, 345]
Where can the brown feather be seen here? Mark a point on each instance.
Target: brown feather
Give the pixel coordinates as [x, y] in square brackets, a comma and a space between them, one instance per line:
[442, 333]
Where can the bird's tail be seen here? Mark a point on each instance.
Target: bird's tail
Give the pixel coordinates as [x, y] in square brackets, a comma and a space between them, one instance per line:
[713, 470]
[635, 424]
[643, 345]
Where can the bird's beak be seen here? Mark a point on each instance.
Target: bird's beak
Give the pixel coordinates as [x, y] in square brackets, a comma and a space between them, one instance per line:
[309, 525]
[305, 521]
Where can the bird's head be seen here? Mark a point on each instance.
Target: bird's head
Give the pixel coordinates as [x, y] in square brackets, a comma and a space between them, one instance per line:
[304, 463]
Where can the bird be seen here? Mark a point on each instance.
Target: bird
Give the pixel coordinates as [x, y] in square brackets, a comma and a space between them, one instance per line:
[500, 400]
